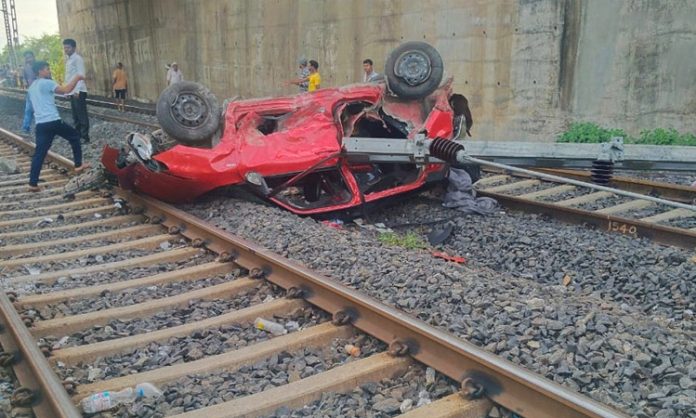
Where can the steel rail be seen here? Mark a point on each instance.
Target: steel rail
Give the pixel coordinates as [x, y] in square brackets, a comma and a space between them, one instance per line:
[630, 227]
[505, 383]
[465, 158]
[48, 397]
[90, 101]
[105, 116]
[675, 192]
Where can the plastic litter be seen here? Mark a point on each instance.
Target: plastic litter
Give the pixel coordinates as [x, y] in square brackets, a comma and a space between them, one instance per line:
[292, 325]
[352, 350]
[60, 343]
[270, 326]
[454, 258]
[423, 398]
[44, 222]
[33, 271]
[406, 405]
[379, 226]
[429, 376]
[334, 223]
[439, 235]
[106, 400]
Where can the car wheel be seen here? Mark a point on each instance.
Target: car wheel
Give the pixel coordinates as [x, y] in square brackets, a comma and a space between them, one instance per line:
[413, 70]
[188, 112]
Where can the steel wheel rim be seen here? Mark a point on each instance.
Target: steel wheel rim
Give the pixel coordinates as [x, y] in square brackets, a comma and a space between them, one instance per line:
[413, 67]
[190, 110]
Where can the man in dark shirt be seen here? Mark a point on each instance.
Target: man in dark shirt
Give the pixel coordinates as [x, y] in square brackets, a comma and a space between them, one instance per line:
[29, 78]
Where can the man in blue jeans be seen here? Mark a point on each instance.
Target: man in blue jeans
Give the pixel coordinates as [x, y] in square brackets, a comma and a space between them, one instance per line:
[48, 122]
[29, 78]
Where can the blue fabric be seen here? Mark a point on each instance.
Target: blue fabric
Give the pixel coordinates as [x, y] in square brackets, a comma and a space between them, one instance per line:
[45, 132]
[42, 96]
[28, 115]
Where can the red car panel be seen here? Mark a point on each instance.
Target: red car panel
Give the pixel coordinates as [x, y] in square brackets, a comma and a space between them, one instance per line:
[279, 138]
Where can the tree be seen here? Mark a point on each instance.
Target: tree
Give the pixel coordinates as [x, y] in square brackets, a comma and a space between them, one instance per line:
[47, 48]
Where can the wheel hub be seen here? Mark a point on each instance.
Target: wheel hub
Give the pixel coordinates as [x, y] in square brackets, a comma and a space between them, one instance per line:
[190, 110]
[413, 67]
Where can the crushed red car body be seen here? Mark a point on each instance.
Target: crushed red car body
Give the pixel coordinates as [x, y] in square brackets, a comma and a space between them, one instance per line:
[289, 150]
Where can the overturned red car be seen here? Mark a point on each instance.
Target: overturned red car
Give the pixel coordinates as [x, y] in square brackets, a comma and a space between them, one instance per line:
[293, 151]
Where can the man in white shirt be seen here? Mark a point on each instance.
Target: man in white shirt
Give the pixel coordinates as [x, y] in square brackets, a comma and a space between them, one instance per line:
[370, 76]
[174, 75]
[74, 66]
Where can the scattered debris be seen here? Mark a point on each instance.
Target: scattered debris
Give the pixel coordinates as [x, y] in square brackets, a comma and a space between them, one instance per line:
[454, 258]
[8, 166]
[33, 271]
[334, 223]
[379, 227]
[567, 280]
[429, 376]
[61, 343]
[270, 326]
[43, 222]
[461, 195]
[94, 373]
[439, 235]
[406, 406]
[352, 350]
[423, 398]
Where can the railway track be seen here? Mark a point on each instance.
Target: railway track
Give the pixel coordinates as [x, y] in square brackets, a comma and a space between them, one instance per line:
[96, 102]
[112, 281]
[93, 105]
[632, 216]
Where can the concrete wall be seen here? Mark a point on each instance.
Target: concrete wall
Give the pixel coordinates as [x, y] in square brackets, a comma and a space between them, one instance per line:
[528, 67]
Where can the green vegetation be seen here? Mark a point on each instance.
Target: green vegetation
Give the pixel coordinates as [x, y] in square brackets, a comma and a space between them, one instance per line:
[588, 132]
[410, 241]
[46, 48]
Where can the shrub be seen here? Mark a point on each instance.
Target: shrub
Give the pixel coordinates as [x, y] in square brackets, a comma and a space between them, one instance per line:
[661, 136]
[589, 132]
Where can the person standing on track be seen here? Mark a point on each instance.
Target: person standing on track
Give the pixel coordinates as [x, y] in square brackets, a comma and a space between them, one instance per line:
[29, 78]
[369, 73]
[120, 86]
[174, 75]
[313, 79]
[75, 65]
[48, 123]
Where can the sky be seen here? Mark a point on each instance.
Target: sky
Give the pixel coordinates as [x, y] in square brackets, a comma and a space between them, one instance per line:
[34, 18]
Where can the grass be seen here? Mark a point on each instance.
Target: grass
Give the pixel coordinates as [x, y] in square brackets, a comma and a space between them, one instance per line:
[409, 241]
[589, 132]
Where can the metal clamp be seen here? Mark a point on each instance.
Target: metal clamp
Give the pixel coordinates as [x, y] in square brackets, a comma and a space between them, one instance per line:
[341, 318]
[470, 389]
[398, 348]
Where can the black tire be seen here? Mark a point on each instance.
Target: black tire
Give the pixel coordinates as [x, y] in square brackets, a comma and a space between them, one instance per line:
[188, 112]
[413, 70]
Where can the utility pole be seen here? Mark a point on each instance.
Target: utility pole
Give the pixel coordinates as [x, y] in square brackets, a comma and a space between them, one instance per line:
[11, 32]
